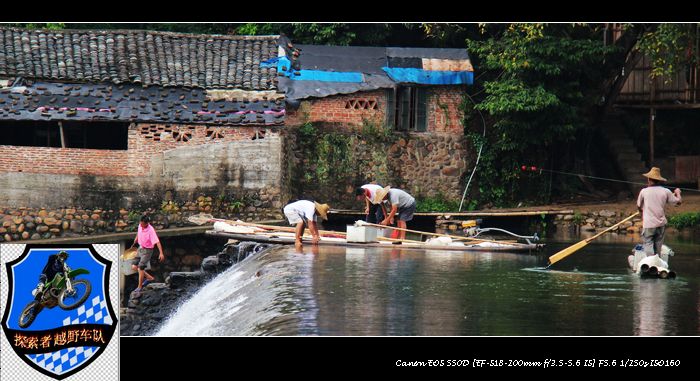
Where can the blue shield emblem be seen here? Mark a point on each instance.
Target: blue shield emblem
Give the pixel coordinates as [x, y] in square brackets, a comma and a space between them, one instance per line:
[61, 327]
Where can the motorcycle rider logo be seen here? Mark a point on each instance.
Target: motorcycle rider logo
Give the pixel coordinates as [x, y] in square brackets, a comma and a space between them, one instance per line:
[63, 324]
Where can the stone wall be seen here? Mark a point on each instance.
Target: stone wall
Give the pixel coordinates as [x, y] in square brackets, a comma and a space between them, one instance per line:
[596, 221]
[425, 165]
[21, 224]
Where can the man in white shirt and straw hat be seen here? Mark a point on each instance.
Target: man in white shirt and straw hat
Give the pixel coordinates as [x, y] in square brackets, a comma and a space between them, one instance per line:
[300, 213]
[650, 203]
[400, 201]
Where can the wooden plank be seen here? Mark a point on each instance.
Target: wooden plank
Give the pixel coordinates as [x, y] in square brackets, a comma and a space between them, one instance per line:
[283, 241]
[475, 213]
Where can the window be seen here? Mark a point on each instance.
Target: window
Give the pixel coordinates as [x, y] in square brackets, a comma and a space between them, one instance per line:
[407, 108]
[94, 135]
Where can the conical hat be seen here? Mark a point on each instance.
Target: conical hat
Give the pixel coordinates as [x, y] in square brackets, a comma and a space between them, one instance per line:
[381, 193]
[654, 174]
[322, 210]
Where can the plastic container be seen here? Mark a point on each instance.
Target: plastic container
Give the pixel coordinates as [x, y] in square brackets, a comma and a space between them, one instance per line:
[362, 234]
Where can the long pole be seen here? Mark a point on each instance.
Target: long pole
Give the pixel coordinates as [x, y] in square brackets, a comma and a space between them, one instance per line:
[437, 234]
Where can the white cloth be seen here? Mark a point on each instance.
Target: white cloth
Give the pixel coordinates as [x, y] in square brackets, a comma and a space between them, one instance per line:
[372, 188]
[299, 211]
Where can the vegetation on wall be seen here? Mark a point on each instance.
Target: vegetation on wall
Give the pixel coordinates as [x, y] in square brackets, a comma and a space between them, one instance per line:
[332, 158]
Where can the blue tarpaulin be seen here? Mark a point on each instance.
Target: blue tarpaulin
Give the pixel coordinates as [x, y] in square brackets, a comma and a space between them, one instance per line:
[429, 77]
[284, 66]
[326, 76]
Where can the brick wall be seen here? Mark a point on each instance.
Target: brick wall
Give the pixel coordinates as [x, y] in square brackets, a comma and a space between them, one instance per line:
[63, 161]
[144, 141]
[444, 114]
[349, 110]
[147, 140]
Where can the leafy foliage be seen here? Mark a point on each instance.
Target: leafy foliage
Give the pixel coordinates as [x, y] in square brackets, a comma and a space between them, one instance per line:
[436, 204]
[670, 47]
[684, 220]
[539, 85]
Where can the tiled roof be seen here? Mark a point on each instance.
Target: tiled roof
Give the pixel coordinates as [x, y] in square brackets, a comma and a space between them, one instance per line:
[141, 57]
[134, 103]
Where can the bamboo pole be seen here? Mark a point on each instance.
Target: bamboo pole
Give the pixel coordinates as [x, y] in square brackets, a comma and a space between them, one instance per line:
[437, 234]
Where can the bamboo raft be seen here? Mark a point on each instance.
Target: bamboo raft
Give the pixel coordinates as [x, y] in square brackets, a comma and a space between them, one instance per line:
[243, 231]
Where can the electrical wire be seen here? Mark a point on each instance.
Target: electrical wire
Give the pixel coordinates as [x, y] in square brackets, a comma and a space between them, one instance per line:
[478, 156]
[595, 177]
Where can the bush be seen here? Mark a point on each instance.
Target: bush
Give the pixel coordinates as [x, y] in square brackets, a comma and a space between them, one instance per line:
[436, 204]
[684, 220]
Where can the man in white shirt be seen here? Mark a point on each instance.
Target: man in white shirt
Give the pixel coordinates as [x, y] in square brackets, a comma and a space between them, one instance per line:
[650, 203]
[300, 213]
[373, 212]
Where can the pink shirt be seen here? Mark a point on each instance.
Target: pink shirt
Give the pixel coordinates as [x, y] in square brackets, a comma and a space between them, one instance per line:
[652, 201]
[147, 237]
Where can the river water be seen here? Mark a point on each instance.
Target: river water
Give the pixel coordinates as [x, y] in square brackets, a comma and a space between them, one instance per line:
[394, 291]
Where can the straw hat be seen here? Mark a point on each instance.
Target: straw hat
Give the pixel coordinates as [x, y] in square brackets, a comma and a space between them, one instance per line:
[322, 210]
[381, 193]
[654, 174]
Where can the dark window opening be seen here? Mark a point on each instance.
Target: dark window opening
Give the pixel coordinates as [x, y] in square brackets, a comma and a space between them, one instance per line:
[93, 135]
[407, 109]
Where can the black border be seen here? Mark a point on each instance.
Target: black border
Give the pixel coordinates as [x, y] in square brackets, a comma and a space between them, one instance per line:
[10, 293]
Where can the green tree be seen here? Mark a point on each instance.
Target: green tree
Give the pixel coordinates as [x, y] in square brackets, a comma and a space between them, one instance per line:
[539, 80]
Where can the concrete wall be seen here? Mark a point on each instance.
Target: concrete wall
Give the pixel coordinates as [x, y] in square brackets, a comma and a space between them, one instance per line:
[209, 161]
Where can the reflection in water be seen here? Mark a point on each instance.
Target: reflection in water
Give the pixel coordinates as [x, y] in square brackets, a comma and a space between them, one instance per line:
[650, 306]
[396, 291]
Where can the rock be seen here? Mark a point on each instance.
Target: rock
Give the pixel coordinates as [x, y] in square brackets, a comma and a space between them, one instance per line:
[590, 220]
[95, 216]
[55, 230]
[191, 260]
[65, 225]
[450, 171]
[588, 228]
[20, 228]
[25, 235]
[36, 236]
[42, 229]
[42, 213]
[76, 226]
[607, 213]
[52, 221]
[7, 238]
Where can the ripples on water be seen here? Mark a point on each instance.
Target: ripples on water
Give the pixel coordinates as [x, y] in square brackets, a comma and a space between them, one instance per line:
[351, 291]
